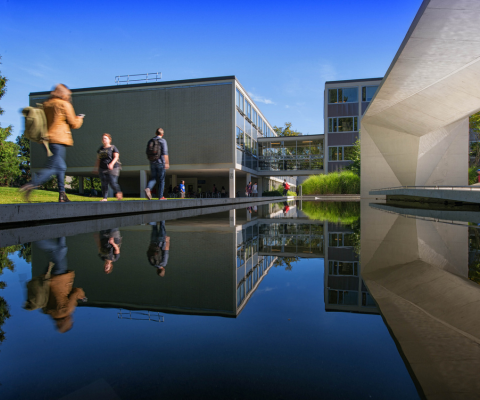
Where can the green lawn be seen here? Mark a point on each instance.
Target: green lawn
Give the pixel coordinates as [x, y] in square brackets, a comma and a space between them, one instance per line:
[9, 195]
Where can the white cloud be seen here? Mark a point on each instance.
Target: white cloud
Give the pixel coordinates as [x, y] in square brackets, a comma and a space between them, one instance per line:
[287, 106]
[260, 99]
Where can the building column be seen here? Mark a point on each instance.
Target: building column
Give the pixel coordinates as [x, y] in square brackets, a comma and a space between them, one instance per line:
[143, 183]
[249, 216]
[233, 218]
[81, 189]
[231, 183]
[260, 186]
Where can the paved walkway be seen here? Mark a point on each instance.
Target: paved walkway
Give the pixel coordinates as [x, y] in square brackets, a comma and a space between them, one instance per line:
[31, 213]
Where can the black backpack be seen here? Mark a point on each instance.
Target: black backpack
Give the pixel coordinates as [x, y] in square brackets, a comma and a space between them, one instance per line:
[153, 149]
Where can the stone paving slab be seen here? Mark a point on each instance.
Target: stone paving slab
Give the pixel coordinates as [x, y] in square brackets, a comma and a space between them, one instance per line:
[31, 213]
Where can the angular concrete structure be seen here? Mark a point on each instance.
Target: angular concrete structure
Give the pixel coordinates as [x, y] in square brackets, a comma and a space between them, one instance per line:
[415, 131]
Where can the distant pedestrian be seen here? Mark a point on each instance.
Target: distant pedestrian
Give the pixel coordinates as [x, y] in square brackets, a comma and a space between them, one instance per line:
[61, 119]
[157, 153]
[108, 167]
[248, 189]
[182, 189]
[254, 190]
[214, 190]
[286, 187]
[223, 192]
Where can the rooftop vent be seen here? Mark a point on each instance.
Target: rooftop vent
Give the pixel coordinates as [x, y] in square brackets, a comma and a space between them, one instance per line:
[148, 77]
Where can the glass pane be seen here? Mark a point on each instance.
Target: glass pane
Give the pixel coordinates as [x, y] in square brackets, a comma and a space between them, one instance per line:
[345, 124]
[249, 110]
[260, 123]
[240, 121]
[349, 95]
[254, 117]
[348, 153]
[332, 95]
[332, 154]
[240, 138]
[355, 127]
[368, 92]
[340, 153]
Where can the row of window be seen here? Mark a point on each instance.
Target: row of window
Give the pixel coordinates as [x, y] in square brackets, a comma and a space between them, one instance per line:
[246, 143]
[245, 107]
[341, 239]
[343, 124]
[350, 95]
[343, 268]
[246, 285]
[340, 153]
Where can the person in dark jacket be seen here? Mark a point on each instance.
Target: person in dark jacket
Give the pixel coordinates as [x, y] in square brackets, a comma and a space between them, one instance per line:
[108, 167]
[61, 119]
[158, 167]
[108, 242]
[159, 248]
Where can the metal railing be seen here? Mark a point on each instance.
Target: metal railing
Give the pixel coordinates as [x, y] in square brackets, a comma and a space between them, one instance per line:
[149, 76]
[431, 187]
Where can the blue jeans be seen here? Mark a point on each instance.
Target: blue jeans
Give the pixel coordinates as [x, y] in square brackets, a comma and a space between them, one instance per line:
[56, 165]
[158, 176]
[57, 253]
[108, 178]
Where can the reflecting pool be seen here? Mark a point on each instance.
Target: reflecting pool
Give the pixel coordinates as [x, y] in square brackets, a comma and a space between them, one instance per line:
[290, 300]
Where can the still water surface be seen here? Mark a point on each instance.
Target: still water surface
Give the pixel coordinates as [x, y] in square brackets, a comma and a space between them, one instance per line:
[267, 302]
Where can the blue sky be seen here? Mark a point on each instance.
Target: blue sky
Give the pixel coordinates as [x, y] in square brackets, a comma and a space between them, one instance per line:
[282, 52]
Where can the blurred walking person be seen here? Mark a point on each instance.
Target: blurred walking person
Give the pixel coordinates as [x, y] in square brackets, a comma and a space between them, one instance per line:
[108, 167]
[157, 154]
[182, 189]
[61, 119]
[254, 189]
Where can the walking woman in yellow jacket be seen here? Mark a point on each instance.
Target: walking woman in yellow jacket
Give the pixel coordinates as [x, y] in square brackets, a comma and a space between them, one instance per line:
[61, 119]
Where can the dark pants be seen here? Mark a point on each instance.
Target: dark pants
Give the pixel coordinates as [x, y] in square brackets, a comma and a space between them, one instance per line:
[57, 253]
[158, 176]
[108, 178]
[158, 233]
[55, 165]
[285, 191]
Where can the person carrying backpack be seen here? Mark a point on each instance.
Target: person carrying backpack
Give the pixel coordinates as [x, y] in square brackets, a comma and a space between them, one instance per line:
[157, 154]
[61, 118]
[286, 187]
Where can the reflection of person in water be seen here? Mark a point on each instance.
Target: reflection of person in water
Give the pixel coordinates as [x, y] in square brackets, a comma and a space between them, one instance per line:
[159, 248]
[63, 297]
[108, 243]
[286, 208]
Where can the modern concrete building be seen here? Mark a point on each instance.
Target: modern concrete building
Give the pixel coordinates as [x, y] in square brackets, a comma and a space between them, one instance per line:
[345, 103]
[212, 126]
[415, 131]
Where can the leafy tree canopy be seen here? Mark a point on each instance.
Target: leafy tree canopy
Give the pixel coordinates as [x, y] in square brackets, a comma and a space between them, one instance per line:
[286, 130]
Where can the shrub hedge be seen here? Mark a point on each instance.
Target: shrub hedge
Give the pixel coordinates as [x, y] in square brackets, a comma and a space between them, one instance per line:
[344, 182]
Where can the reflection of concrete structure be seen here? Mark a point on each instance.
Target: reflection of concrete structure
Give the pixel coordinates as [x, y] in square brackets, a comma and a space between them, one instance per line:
[214, 267]
[415, 131]
[417, 272]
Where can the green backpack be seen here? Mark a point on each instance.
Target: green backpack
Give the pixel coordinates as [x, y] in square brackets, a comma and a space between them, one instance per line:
[38, 291]
[36, 125]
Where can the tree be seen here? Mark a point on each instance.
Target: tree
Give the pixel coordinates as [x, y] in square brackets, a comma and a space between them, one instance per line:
[9, 170]
[355, 157]
[24, 157]
[474, 121]
[87, 183]
[286, 131]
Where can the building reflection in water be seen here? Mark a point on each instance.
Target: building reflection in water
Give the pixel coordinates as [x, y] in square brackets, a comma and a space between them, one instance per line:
[345, 289]
[215, 262]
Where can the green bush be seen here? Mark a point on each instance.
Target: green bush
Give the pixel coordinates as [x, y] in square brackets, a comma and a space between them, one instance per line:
[345, 182]
[472, 175]
[345, 213]
[277, 192]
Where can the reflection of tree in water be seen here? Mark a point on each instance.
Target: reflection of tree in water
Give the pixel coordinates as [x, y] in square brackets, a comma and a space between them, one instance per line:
[285, 261]
[25, 252]
[474, 256]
